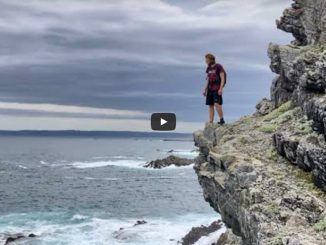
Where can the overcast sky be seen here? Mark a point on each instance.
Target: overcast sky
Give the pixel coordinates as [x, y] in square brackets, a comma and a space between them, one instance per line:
[108, 64]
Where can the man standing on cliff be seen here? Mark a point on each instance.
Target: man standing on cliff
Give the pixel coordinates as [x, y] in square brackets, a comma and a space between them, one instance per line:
[213, 90]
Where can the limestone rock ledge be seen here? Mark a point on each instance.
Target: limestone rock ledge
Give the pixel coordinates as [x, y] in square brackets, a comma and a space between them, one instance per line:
[261, 197]
[266, 174]
[301, 69]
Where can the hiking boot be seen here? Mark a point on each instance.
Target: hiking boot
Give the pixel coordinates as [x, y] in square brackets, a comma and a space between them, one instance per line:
[221, 122]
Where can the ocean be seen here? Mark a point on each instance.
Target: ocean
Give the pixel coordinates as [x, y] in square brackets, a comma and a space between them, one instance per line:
[86, 190]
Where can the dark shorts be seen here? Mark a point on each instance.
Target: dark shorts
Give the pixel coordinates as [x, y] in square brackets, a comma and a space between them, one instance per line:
[213, 98]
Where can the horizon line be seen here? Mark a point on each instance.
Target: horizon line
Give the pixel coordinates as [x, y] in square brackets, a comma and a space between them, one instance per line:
[97, 133]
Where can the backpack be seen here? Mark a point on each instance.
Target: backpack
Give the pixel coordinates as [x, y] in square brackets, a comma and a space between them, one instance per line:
[225, 78]
[216, 77]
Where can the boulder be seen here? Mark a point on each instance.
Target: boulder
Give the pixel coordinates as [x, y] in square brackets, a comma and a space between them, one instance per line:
[264, 107]
[169, 161]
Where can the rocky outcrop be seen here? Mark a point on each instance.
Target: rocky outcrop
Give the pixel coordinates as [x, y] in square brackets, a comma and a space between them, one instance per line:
[305, 19]
[14, 238]
[301, 69]
[198, 232]
[169, 161]
[140, 222]
[266, 173]
[308, 153]
[264, 107]
[129, 233]
[262, 198]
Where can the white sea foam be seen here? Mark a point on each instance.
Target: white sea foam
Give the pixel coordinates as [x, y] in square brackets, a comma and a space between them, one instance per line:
[22, 166]
[79, 217]
[121, 163]
[111, 179]
[81, 229]
[184, 152]
[108, 179]
[181, 167]
[98, 164]
[211, 238]
[116, 157]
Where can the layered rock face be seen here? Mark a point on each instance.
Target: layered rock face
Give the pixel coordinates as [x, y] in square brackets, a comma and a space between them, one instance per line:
[261, 197]
[266, 173]
[302, 79]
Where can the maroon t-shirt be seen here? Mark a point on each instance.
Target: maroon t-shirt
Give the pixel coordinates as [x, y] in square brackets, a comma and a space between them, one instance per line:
[213, 76]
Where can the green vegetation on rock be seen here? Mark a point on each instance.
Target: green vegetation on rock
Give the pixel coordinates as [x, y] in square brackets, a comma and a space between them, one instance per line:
[271, 154]
[273, 208]
[278, 111]
[321, 225]
[268, 128]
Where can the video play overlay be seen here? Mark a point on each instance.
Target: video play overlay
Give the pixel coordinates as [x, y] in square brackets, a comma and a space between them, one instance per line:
[163, 121]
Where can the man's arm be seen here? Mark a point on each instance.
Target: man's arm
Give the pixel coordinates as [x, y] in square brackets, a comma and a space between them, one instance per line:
[206, 88]
[222, 76]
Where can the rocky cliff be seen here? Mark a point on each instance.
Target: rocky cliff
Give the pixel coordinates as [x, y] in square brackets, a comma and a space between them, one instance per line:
[266, 173]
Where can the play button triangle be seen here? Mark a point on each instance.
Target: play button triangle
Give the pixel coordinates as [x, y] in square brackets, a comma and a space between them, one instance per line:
[163, 122]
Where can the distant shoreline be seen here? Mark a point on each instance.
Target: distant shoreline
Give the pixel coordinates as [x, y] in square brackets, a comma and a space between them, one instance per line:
[168, 136]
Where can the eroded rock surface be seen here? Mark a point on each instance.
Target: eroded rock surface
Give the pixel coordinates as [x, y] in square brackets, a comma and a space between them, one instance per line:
[261, 197]
[305, 19]
[266, 173]
[301, 69]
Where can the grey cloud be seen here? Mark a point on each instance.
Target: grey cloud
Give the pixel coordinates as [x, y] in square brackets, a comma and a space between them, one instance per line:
[106, 54]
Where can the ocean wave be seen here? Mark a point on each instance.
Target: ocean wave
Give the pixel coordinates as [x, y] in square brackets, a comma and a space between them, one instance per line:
[108, 179]
[184, 152]
[117, 163]
[116, 157]
[175, 167]
[211, 238]
[80, 229]
[79, 217]
[139, 164]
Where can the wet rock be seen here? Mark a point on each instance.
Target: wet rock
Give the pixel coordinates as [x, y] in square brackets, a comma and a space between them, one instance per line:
[126, 233]
[197, 232]
[129, 233]
[169, 161]
[14, 238]
[140, 222]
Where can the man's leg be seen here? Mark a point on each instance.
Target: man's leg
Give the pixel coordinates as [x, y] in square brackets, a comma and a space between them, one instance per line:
[218, 105]
[211, 113]
[219, 110]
